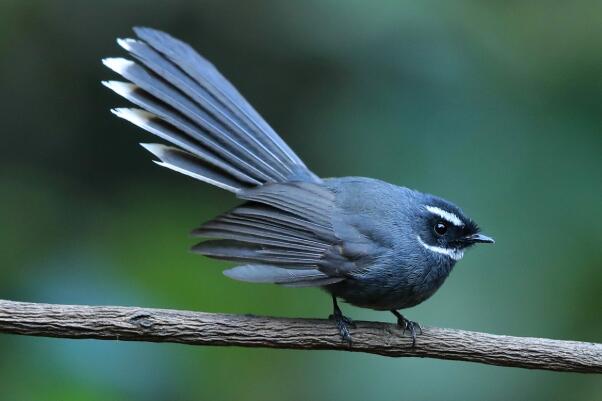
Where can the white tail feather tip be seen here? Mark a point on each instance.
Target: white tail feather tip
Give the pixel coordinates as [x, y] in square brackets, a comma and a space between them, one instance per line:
[125, 43]
[155, 148]
[118, 64]
[121, 88]
[135, 116]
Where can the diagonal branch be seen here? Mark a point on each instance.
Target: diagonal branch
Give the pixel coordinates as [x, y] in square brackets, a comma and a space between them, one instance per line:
[199, 328]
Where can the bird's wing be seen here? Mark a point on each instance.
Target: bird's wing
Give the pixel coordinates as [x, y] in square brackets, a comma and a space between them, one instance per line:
[283, 234]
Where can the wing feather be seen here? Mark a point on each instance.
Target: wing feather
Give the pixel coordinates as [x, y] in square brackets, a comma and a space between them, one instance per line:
[277, 231]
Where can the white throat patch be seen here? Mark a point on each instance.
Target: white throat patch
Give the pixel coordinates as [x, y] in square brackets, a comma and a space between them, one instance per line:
[455, 254]
[445, 215]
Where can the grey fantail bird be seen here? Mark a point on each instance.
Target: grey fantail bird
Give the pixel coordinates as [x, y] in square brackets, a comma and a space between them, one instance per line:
[373, 244]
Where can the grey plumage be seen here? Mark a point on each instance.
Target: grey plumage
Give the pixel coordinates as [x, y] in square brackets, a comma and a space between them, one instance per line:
[373, 244]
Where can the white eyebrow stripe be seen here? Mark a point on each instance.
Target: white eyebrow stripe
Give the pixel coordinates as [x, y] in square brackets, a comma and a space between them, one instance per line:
[451, 217]
[455, 254]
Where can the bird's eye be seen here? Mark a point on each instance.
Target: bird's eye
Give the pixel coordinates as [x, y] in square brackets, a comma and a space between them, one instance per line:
[440, 228]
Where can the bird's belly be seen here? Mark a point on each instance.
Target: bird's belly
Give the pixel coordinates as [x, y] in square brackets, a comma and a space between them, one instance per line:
[389, 291]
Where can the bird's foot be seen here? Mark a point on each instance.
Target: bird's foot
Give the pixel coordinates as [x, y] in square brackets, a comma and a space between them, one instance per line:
[343, 323]
[408, 325]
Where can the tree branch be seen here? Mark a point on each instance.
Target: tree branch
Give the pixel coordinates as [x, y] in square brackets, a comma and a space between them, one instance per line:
[199, 328]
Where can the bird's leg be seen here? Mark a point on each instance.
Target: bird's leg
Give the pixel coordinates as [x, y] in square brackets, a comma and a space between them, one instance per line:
[343, 322]
[408, 325]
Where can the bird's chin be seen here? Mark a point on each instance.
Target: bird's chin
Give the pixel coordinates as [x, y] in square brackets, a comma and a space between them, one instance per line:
[456, 254]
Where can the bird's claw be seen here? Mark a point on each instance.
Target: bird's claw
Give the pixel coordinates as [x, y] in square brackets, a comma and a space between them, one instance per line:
[343, 323]
[408, 325]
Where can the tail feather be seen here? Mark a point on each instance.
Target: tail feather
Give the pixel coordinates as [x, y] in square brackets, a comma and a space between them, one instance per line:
[209, 77]
[167, 70]
[188, 164]
[150, 123]
[190, 104]
[178, 109]
[162, 122]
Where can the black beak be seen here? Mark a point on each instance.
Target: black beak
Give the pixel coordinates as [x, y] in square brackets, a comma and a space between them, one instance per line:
[478, 238]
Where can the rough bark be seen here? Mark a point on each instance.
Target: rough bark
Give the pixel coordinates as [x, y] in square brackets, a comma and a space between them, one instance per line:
[199, 328]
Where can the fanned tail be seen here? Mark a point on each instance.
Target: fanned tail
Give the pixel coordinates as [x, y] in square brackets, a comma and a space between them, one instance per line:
[218, 137]
[283, 233]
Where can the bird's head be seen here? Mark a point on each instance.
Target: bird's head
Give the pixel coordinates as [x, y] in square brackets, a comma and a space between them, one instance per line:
[444, 229]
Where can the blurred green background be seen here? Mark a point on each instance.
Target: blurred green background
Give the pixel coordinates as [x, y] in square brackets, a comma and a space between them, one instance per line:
[493, 105]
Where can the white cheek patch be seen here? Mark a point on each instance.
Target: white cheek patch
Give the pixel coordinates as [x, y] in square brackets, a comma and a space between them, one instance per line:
[455, 254]
[445, 215]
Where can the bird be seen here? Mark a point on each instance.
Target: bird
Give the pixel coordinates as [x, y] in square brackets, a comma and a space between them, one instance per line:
[367, 242]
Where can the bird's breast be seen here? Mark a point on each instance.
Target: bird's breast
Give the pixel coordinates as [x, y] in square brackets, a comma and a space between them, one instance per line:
[389, 286]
